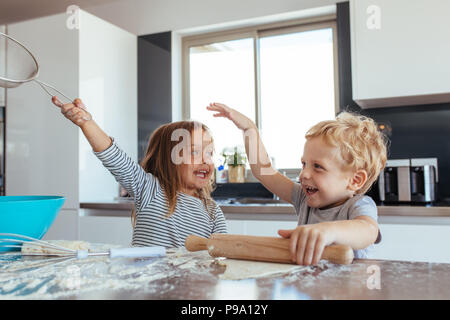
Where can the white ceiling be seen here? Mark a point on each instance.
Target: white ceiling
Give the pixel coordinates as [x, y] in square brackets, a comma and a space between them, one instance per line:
[142, 17]
[18, 10]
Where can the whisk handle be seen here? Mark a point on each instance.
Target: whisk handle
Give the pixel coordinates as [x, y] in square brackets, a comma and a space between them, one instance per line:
[81, 254]
[138, 252]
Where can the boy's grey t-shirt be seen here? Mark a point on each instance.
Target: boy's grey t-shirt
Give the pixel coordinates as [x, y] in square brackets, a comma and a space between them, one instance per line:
[359, 205]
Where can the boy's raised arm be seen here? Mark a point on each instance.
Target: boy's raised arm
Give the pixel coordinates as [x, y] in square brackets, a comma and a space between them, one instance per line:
[258, 158]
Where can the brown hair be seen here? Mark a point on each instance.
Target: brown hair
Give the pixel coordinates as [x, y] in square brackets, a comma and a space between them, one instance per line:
[361, 144]
[158, 162]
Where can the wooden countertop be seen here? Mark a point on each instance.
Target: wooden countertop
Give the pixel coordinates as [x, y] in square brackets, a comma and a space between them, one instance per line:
[194, 276]
[383, 210]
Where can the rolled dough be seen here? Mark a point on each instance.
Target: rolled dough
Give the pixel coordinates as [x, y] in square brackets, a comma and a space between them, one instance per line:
[244, 269]
[74, 245]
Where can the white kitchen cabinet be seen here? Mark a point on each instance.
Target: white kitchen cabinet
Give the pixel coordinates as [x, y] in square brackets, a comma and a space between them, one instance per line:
[399, 52]
[267, 228]
[414, 242]
[111, 230]
[65, 226]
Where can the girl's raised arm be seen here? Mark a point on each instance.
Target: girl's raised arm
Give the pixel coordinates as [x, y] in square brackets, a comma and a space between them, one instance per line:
[257, 155]
[139, 184]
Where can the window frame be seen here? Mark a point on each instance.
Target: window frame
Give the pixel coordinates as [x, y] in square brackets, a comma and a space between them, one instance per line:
[257, 32]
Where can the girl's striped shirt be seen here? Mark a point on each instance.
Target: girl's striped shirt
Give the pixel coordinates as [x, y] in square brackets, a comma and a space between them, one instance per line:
[153, 227]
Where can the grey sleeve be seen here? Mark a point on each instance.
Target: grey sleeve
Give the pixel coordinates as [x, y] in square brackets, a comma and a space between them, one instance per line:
[298, 198]
[365, 207]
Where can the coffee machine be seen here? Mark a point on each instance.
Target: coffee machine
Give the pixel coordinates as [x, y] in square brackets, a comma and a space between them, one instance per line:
[409, 180]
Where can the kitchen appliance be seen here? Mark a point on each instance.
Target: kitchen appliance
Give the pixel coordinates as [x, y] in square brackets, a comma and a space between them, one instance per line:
[409, 180]
[257, 248]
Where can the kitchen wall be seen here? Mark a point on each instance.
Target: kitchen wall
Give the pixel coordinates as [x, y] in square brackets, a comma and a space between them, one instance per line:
[2, 114]
[46, 154]
[420, 131]
[108, 82]
[154, 85]
[41, 146]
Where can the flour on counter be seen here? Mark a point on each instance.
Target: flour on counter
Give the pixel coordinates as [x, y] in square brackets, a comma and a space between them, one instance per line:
[193, 261]
[23, 278]
[48, 278]
[35, 247]
[244, 269]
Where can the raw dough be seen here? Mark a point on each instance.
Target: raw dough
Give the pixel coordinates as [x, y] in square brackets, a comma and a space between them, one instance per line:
[243, 269]
[74, 245]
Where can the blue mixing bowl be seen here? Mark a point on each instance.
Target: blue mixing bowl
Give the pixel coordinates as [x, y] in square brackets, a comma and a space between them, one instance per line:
[30, 216]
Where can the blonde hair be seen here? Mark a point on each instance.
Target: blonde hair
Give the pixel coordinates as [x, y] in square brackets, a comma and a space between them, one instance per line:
[361, 144]
[157, 161]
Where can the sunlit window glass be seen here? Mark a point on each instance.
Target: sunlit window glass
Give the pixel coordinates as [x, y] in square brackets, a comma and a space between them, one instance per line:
[297, 90]
[222, 72]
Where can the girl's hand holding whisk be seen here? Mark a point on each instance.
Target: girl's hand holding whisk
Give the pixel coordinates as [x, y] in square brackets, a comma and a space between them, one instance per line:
[75, 112]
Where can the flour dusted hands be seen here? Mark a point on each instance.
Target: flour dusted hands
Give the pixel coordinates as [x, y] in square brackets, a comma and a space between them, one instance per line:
[241, 121]
[308, 242]
[75, 112]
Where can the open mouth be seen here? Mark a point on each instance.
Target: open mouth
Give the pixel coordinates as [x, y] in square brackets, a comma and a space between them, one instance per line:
[202, 174]
[310, 190]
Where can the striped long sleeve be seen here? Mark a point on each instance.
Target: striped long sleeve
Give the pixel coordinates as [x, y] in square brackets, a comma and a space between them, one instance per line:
[153, 226]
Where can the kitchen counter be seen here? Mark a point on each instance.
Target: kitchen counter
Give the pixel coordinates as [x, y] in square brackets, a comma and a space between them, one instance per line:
[114, 206]
[191, 276]
[400, 226]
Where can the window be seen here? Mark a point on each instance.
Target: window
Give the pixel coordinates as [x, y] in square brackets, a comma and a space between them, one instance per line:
[283, 78]
[222, 72]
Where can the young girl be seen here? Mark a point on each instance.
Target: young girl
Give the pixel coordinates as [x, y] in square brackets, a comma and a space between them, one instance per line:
[172, 186]
[341, 160]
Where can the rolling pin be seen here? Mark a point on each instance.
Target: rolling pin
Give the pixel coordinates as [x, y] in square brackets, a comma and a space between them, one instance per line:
[271, 249]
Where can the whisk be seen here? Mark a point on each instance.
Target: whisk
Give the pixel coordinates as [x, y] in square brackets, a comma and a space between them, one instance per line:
[16, 241]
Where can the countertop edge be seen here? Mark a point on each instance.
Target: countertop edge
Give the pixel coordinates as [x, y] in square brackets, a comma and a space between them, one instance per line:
[409, 211]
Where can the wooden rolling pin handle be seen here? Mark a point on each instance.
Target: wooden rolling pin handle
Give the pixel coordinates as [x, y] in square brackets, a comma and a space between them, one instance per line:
[196, 243]
[260, 248]
[338, 253]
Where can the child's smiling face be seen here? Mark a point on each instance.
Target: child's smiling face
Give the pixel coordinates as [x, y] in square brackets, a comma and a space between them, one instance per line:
[324, 178]
[196, 172]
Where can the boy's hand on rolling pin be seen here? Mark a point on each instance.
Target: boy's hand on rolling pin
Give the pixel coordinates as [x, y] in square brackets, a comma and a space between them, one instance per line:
[241, 121]
[75, 112]
[308, 242]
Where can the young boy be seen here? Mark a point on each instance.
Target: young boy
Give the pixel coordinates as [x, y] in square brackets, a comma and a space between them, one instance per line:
[341, 160]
